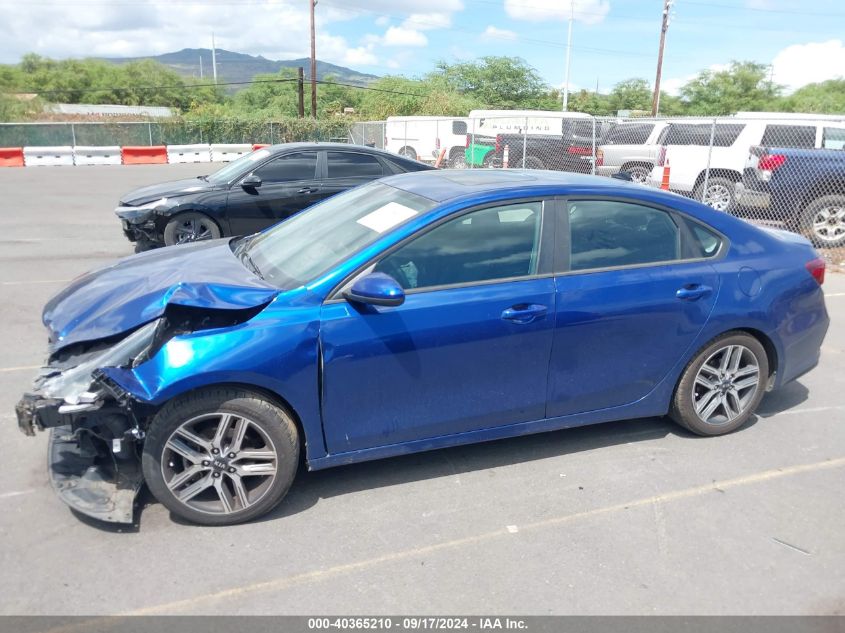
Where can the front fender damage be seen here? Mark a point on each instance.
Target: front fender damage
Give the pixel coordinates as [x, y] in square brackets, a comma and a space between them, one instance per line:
[97, 428]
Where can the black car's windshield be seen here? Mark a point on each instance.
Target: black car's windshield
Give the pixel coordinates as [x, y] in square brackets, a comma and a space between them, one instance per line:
[309, 244]
[237, 167]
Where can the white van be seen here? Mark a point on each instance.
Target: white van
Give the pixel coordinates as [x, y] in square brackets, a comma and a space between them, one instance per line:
[424, 137]
[685, 146]
[532, 122]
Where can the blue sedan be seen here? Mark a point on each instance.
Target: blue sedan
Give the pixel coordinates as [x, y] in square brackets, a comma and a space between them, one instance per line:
[416, 312]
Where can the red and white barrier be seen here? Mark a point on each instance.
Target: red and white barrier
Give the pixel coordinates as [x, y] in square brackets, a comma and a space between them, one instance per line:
[84, 155]
[224, 152]
[144, 155]
[11, 157]
[48, 156]
[189, 153]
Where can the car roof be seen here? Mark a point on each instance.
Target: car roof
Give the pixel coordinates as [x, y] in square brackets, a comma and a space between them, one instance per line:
[349, 147]
[442, 185]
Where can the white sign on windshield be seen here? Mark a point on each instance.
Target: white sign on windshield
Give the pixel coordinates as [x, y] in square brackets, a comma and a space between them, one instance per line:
[387, 217]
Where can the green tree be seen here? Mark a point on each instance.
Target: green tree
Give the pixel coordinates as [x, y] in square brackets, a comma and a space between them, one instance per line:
[742, 86]
[826, 97]
[630, 94]
[495, 82]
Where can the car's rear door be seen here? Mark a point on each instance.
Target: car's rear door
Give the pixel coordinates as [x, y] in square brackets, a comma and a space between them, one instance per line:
[635, 287]
[467, 350]
[345, 169]
[289, 183]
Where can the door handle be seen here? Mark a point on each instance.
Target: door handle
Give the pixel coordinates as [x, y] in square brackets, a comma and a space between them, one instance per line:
[307, 190]
[525, 312]
[693, 292]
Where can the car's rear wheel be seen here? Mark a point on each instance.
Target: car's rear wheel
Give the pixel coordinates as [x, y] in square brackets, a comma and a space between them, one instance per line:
[190, 227]
[639, 173]
[824, 221]
[719, 193]
[221, 456]
[722, 386]
[532, 162]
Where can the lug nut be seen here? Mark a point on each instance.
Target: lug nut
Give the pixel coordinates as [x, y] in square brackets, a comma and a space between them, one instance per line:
[215, 475]
[205, 462]
[231, 456]
[231, 470]
[215, 451]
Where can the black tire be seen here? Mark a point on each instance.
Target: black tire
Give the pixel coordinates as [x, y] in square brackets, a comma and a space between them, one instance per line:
[639, 173]
[458, 161]
[178, 228]
[487, 161]
[275, 429]
[532, 162]
[721, 193]
[683, 410]
[823, 221]
[408, 152]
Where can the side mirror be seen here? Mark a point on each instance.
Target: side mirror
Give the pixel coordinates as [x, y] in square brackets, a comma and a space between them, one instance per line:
[376, 289]
[251, 182]
[459, 128]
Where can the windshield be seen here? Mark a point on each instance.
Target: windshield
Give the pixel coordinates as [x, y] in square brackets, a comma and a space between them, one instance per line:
[311, 243]
[237, 167]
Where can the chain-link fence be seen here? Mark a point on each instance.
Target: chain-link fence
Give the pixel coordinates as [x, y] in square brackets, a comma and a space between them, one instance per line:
[170, 132]
[783, 170]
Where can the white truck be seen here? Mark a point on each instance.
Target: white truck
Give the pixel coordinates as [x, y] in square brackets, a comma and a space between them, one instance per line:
[423, 138]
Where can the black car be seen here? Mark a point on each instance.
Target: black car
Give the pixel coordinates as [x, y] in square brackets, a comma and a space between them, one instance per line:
[251, 193]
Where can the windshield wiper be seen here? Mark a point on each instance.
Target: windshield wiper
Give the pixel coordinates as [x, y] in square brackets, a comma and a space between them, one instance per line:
[247, 260]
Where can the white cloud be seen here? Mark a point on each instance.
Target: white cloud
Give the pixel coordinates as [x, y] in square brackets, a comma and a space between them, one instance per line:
[494, 32]
[382, 20]
[401, 36]
[428, 21]
[802, 64]
[586, 11]
[360, 56]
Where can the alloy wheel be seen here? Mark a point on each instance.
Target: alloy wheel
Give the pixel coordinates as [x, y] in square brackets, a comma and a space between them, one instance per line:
[718, 196]
[219, 463]
[192, 230]
[726, 384]
[829, 224]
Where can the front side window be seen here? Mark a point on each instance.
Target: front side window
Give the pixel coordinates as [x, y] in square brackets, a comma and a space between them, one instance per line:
[630, 134]
[289, 168]
[353, 165]
[724, 134]
[494, 243]
[607, 233]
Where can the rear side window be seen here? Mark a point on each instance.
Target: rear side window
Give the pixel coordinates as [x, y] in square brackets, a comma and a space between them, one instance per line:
[702, 243]
[833, 138]
[295, 166]
[629, 134]
[724, 135]
[353, 165]
[799, 136]
[608, 233]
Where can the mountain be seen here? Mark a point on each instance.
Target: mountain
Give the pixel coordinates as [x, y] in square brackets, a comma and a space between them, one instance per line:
[237, 67]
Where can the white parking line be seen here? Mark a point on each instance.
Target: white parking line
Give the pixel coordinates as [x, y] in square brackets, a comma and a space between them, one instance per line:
[835, 294]
[17, 493]
[3, 370]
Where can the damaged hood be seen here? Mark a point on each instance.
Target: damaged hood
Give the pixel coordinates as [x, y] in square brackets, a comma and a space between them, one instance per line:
[171, 189]
[135, 290]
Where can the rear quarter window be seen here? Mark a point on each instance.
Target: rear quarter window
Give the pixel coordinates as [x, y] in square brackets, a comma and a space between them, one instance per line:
[724, 135]
[798, 136]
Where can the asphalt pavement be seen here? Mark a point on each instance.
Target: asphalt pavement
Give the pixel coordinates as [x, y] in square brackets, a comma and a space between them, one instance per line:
[633, 517]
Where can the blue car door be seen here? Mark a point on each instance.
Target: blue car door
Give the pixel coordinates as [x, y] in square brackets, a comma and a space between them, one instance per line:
[467, 350]
[635, 288]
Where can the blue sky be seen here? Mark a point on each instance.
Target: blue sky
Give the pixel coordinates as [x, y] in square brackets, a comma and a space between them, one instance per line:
[613, 39]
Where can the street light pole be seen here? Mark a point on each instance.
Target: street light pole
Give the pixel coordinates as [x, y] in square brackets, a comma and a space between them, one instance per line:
[568, 56]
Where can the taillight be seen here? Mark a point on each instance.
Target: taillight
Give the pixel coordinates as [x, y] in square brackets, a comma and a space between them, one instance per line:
[498, 143]
[816, 268]
[437, 143]
[770, 162]
[467, 142]
[661, 156]
[579, 151]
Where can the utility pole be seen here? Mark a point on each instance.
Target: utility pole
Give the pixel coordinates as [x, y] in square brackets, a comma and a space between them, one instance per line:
[213, 58]
[300, 92]
[655, 101]
[568, 56]
[313, 3]
[200, 66]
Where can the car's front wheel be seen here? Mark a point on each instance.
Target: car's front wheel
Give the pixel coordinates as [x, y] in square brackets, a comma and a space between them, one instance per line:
[719, 193]
[722, 386]
[221, 456]
[190, 227]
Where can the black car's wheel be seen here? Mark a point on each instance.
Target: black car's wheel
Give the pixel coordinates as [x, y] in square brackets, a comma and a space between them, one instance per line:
[823, 221]
[532, 162]
[190, 227]
[221, 456]
[458, 161]
[722, 386]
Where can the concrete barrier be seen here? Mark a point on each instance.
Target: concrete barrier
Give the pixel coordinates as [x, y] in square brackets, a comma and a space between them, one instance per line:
[144, 155]
[224, 152]
[11, 156]
[86, 155]
[44, 156]
[188, 153]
